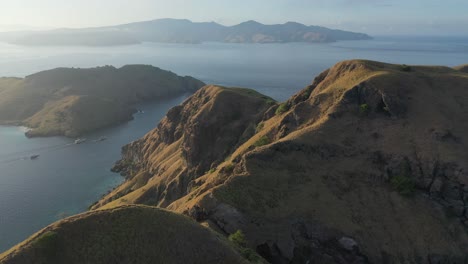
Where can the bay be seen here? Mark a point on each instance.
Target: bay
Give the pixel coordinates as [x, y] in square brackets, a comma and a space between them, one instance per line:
[67, 178]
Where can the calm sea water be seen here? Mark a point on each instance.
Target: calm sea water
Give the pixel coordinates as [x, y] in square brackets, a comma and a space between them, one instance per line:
[67, 178]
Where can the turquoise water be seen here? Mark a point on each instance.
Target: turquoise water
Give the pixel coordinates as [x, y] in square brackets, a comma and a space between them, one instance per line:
[67, 178]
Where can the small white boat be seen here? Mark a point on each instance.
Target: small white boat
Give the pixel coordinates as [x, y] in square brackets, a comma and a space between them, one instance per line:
[80, 141]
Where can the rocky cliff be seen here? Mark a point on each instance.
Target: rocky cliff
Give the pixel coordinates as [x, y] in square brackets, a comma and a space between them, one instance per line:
[71, 102]
[192, 140]
[366, 165]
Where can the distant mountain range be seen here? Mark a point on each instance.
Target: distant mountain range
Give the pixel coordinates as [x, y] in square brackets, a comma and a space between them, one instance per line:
[181, 31]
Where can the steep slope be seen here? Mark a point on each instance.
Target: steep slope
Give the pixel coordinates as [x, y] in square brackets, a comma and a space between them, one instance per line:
[132, 234]
[182, 31]
[71, 102]
[191, 140]
[368, 164]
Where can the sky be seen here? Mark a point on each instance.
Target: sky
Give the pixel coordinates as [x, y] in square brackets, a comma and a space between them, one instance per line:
[378, 17]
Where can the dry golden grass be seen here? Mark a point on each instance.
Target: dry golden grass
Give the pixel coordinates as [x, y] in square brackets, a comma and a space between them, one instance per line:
[132, 234]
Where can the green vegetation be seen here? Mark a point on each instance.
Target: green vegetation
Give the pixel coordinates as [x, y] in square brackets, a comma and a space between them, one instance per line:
[47, 244]
[307, 93]
[238, 238]
[229, 168]
[212, 170]
[403, 184]
[259, 127]
[264, 140]
[282, 108]
[46, 240]
[402, 181]
[364, 109]
[405, 68]
[250, 255]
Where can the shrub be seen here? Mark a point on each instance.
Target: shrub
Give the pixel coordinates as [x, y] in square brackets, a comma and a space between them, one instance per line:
[262, 141]
[250, 255]
[403, 184]
[405, 68]
[238, 238]
[307, 93]
[260, 126]
[282, 108]
[364, 109]
[211, 170]
[229, 168]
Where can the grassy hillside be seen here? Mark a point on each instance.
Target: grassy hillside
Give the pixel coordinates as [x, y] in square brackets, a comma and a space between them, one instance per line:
[132, 234]
[366, 165]
[193, 139]
[71, 102]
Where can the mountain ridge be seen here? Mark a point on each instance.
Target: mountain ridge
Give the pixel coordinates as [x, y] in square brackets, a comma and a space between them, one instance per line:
[182, 31]
[368, 164]
[350, 159]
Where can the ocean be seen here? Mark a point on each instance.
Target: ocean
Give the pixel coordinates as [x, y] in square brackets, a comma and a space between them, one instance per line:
[67, 178]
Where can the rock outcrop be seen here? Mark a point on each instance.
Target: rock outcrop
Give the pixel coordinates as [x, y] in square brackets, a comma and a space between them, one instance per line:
[366, 165]
[193, 139]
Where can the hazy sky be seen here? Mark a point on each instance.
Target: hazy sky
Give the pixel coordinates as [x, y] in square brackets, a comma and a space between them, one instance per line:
[370, 16]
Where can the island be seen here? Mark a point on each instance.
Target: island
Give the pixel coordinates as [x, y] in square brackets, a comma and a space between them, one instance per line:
[181, 31]
[367, 164]
[73, 101]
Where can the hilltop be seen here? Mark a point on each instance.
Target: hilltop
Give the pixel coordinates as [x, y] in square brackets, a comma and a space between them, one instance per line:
[181, 31]
[73, 101]
[368, 164]
[131, 234]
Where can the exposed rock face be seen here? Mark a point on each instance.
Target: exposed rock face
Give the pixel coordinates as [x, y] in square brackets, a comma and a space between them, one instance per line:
[131, 234]
[369, 164]
[193, 138]
[366, 165]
